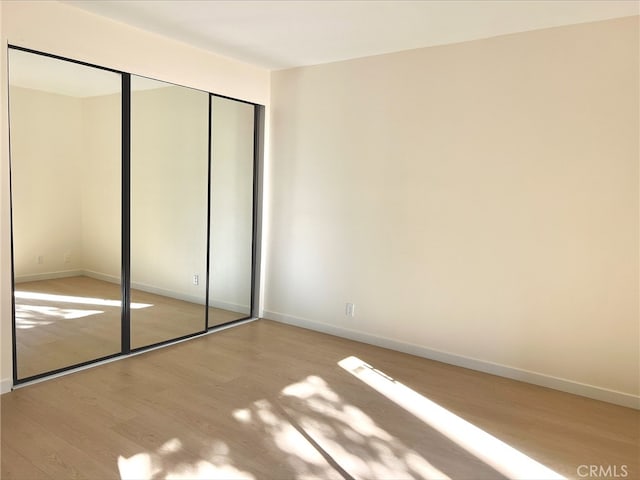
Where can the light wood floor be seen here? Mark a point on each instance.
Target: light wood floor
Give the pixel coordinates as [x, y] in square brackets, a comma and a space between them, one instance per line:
[269, 401]
[73, 320]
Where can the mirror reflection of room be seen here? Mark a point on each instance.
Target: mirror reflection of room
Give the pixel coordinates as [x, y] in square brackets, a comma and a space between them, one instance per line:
[169, 191]
[191, 167]
[231, 221]
[65, 126]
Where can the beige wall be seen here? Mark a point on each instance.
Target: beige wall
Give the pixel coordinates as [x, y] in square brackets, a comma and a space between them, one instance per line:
[64, 30]
[478, 203]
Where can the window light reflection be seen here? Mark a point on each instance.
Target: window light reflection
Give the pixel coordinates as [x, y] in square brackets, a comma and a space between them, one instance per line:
[49, 297]
[40, 311]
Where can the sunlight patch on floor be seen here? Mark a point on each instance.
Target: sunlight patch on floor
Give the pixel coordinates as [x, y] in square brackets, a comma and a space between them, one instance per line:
[494, 452]
[314, 432]
[49, 297]
[157, 465]
[325, 437]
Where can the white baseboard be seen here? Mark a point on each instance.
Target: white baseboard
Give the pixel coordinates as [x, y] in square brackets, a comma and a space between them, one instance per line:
[6, 384]
[564, 385]
[34, 277]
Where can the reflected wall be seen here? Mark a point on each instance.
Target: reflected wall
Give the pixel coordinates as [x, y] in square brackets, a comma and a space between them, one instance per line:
[231, 210]
[169, 168]
[65, 122]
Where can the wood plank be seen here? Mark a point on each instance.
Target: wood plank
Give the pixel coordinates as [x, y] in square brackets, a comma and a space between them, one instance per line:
[265, 400]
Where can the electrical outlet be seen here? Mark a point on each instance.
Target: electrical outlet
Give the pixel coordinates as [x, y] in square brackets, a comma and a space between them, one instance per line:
[40, 259]
[196, 279]
[67, 257]
[350, 310]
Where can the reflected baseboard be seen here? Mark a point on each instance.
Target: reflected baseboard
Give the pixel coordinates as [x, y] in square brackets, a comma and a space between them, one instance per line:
[245, 309]
[232, 307]
[146, 288]
[101, 276]
[48, 276]
[167, 293]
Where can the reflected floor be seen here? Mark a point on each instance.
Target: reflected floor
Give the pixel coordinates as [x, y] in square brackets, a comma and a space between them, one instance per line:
[66, 321]
[218, 316]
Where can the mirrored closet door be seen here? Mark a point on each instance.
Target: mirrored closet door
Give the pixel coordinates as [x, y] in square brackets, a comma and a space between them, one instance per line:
[169, 190]
[65, 127]
[127, 188]
[231, 210]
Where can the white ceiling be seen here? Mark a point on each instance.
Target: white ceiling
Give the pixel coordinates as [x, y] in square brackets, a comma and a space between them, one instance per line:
[283, 34]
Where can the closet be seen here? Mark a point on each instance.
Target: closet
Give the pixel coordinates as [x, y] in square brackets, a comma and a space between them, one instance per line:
[134, 211]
